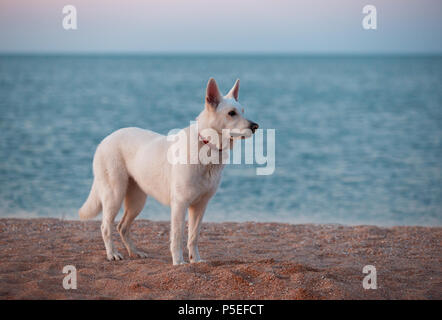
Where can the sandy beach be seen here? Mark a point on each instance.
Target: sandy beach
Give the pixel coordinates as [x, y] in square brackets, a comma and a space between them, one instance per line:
[244, 261]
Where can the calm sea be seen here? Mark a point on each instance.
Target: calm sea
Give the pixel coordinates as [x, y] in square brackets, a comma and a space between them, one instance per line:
[358, 140]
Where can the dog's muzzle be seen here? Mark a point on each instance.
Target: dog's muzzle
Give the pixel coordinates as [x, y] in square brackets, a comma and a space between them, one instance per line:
[253, 126]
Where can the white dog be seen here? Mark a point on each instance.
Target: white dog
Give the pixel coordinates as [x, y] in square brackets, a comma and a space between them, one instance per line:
[132, 163]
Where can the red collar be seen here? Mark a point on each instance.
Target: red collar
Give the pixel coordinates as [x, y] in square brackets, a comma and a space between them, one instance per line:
[206, 141]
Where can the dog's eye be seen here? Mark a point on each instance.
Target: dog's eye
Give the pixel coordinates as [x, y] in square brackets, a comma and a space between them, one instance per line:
[232, 113]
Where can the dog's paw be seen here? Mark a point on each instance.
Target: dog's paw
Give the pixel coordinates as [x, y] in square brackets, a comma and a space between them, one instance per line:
[194, 257]
[139, 254]
[179, 263]
[114, 256]
[198, 261]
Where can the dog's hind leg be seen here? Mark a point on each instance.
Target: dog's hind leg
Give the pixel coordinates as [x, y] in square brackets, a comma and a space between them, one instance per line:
[112, 199]
[133, 204]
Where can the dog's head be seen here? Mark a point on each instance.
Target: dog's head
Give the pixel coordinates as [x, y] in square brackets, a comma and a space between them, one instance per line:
[226, 112]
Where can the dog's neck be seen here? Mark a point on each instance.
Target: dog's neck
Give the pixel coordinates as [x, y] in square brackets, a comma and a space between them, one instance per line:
[207, 142]
[210, 169]
[203, 122]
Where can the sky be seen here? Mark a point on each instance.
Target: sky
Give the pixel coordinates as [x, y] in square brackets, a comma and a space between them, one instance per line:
[227, 26]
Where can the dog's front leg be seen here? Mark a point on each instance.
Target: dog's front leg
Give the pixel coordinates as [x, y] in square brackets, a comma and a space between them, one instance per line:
[178, 215]
[196, 213]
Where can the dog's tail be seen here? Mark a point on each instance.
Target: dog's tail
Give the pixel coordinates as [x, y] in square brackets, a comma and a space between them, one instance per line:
[92, 207]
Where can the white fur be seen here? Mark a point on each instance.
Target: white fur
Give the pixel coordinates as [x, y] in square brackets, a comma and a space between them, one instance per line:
[131, 163]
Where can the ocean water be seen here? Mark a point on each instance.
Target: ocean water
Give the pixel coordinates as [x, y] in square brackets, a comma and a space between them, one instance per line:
[358, 139]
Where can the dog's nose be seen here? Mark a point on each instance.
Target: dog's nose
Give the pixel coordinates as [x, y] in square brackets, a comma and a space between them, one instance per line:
[253, 126]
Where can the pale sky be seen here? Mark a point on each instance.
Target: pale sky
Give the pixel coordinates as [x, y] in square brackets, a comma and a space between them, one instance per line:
[176, 26]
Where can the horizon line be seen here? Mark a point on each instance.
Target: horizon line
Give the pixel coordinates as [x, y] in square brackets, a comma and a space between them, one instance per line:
[220, 54]
[214, 53]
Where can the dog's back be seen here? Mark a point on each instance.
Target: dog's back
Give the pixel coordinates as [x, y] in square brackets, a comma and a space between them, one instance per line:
[115, 159]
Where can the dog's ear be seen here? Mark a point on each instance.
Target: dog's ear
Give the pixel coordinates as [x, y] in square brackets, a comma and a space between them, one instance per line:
[213, 97]
[234, 92]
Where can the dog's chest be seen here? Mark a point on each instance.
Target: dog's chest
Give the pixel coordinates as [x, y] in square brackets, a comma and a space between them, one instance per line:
[204, 180]
[209, 176]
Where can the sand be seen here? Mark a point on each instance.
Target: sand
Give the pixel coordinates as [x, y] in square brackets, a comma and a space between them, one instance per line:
[244, 261]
